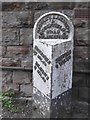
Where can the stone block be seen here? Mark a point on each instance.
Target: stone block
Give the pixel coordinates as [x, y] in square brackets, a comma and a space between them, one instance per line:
[62, 5]
[10, 36]
[81, 58]
[2, 51]
[27, 62]
[18, 56]
[81, 54]
[81, 5]
[80, 79]
[14, 87]
[80, 66]
[17, 19]
[22, 77]
[82, 36]
[26, 36]
[17, 51]
[80, 23]
[83, 92]
[11, 62]
[75, 93]
[13, 6]
[26, 90]
[7, 77]
[40, 6]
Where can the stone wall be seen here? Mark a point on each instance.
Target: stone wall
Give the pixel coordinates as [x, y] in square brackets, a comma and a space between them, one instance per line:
[16, 60]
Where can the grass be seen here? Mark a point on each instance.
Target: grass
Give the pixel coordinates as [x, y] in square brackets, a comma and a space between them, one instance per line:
[7, 100]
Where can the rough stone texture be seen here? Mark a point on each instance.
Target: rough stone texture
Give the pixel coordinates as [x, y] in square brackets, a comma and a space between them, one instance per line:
[62, 5]
[13, 6]
[83, 93]
[10, 36]
[2, 51]
[7, 81]
[38, 13]
[26, 37]
[17, 56]
[15, 51]
[55, 108]
[75, 93]
[69, 13]
[40, 5]
[81, 54]
[80, 58]
[26, 90]
[18, 6]
[17, 19]
[84, 31]
[80, 23]
[78, 108]
[82, 36]
[11, 62]
[61, 106]
[80, 66]
[80, 80]
[27, 62]
[42, 103]
[81, 5]
[6, 87]
[7, 77]
[21, 77]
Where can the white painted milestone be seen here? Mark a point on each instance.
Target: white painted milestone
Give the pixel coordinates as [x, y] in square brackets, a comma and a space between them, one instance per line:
[52, 54]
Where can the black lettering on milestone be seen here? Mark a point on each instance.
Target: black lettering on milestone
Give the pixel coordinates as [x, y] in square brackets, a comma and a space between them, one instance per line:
[35, 67]
[39, 57]
[53, 21]
[35, 53]
[44, 63]
[41, 72]
[63, 58]
[38, 71]
[42, 55]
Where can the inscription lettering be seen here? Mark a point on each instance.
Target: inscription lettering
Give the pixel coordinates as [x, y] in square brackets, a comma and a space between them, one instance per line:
[63, 58]
[41, 56]
[41, 72]
[53, 27]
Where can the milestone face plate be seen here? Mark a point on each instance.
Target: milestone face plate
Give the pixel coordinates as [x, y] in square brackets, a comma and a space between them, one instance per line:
[52, 26]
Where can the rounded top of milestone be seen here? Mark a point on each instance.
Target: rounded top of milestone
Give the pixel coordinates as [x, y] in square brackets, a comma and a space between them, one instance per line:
[53, 25]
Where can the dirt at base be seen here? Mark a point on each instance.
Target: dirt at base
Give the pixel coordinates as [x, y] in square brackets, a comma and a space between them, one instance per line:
[24, 110]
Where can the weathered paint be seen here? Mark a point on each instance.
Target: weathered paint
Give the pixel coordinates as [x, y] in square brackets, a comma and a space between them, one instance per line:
[52, 61]
[62, 68]
[44, 85]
